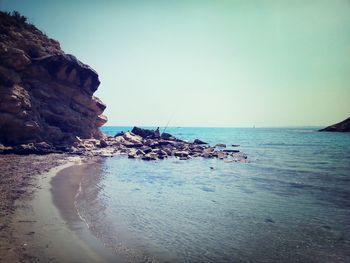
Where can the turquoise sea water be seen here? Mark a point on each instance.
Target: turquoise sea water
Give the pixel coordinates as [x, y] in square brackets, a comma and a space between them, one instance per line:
[289, 203]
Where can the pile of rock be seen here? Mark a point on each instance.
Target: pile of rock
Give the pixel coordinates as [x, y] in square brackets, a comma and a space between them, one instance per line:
[151, 145]
[139, 143]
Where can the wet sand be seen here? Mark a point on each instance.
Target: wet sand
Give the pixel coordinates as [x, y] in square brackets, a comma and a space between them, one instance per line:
[43, 225]
[86, 247]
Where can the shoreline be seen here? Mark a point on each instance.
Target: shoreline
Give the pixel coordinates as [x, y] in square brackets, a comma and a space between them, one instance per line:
[64, 189]
[36, 223]
[20, 178]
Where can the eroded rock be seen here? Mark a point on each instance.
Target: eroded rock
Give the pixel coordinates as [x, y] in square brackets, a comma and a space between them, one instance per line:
[45, 94]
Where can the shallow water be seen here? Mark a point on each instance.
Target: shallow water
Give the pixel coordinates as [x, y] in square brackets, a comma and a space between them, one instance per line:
[290, 202]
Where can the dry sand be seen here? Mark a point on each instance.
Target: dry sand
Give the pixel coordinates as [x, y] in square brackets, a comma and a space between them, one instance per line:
[18, 182]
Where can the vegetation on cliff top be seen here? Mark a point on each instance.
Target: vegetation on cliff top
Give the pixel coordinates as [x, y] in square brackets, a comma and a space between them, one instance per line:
[17, 32]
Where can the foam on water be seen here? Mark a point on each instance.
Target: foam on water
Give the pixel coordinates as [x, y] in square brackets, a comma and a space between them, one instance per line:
[290, 203]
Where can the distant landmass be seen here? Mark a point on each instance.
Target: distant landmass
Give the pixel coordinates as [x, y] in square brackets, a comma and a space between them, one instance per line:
[343, 126]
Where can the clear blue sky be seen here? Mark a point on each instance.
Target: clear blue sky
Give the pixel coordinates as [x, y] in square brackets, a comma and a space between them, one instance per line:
[208, 63]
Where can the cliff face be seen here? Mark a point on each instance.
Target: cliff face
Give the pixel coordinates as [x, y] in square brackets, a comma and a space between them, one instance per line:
[45, 94]
[343, 126]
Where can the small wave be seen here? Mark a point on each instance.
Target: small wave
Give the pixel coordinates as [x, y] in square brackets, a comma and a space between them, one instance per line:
[79, 192]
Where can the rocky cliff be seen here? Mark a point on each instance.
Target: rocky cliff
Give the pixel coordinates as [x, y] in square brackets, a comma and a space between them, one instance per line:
[46, 96]
[343, 126]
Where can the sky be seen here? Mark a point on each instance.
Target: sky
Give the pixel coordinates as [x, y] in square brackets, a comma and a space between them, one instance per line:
[208, 63]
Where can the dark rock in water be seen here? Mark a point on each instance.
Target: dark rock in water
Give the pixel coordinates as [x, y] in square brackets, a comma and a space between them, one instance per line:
[220, 145]
[119, 134]
[235, 145]
[45, 94]
[131, 156]
[148, 158]
[145, 133]
[231, 151]
[343, 126]
[269, 220]
[197, 141]
[167, 136]
[181, 153]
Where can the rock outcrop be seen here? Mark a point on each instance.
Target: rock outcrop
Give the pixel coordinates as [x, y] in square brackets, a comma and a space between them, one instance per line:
[147, 145]
[343, 126]
[46, 96]
[47, 105]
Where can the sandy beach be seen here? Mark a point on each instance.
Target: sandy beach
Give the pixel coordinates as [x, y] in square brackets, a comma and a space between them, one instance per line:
[20, 179]
[39, 221]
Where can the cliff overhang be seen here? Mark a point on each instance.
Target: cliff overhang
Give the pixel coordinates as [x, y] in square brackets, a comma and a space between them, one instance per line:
[46, 96]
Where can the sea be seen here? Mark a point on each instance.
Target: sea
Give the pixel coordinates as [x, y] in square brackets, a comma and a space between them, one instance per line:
[290, 202]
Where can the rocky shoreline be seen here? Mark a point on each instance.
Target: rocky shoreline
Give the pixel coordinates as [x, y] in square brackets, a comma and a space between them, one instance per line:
[47, 105]
[144, 144]
[151, 145]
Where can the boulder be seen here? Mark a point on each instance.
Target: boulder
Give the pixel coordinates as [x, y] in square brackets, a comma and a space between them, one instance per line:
[145, 133]
[197, 141]
[231, 151]
[103, 144]
[168, 151]
[140, 152]
[181, 153]
[146, 149]
[132, 154]
[167, 136]
[149, 157]
[119, 134]
[133, 138]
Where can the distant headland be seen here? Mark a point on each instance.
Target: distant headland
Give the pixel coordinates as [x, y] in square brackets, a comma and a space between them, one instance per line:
[343, 126]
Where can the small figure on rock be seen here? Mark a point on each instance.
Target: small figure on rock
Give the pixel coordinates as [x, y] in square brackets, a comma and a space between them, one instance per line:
[157, 132]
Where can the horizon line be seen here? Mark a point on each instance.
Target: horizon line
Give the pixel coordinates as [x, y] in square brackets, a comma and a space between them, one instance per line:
[222, 127]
